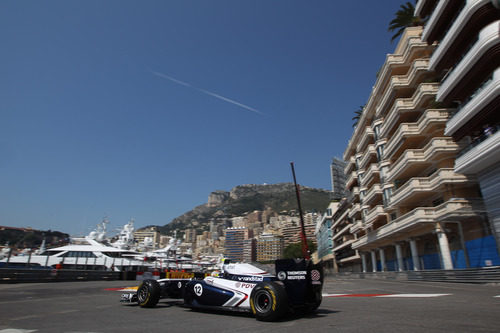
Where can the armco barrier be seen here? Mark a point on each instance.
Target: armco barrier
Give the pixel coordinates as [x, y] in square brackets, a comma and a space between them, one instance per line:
[16, 275]
[471, 275]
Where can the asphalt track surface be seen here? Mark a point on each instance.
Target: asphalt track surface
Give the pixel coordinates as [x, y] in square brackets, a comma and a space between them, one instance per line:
[352, 306]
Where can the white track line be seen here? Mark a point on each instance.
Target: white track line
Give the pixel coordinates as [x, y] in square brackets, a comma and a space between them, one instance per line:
[415, 295]
[389, 295]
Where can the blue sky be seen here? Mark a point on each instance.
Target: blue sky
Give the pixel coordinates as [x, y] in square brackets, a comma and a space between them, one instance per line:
[140, 109]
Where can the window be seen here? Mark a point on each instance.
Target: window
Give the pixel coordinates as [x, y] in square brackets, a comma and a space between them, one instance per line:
[376, 130]
[380, 152]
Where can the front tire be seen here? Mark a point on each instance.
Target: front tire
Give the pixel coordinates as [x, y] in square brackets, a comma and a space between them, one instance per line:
[268, 301]
[148, 293]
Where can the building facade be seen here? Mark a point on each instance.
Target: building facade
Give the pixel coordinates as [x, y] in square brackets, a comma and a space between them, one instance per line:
[234, 243]
[324, 237]
[409, 209]
[338, 178]
[269, 247]
[291, 233]
[148, 233]
[467, 58]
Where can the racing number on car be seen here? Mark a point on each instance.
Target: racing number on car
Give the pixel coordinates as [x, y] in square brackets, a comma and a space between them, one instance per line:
[198, 289]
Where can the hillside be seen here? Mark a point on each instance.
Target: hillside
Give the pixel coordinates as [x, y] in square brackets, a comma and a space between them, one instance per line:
[243, 199]
[29, 238]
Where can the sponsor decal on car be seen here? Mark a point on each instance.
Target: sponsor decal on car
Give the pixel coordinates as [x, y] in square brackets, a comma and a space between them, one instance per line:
[296, 275]
[250, 278]
[315, 275]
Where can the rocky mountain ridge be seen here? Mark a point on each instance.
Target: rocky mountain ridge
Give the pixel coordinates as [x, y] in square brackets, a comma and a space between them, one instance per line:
[244, 199]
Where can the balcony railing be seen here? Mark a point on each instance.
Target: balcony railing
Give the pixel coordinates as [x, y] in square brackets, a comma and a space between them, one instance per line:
[488, 132]
[426, 155]
[489, 38]
[426, 184]
[470, 107]
[481, 155]
[453, 210]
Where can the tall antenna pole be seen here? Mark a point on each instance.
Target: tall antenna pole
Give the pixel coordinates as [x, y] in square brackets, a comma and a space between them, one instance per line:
[305, 247]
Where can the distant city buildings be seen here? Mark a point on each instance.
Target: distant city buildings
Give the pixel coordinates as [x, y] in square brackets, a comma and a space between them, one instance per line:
[269, 247]
[234, 243]
[338, 178]
[148, 236]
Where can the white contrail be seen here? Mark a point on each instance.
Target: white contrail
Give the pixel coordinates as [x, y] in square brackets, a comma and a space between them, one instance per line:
[225, 99]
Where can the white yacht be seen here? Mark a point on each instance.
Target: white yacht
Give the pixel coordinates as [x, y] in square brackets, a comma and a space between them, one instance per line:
[88, 253]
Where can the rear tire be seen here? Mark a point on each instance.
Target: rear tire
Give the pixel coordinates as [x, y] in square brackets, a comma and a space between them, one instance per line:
[318, 297]
[148, 293]
[268, 301]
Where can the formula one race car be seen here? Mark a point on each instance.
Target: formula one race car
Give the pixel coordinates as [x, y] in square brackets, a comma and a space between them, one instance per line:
[242, 287]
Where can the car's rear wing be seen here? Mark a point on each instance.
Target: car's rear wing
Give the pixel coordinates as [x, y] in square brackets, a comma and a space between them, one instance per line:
[302, 279]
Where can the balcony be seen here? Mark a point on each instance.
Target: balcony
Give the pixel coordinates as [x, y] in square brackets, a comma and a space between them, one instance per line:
[371, 175]
[352, 180]
[422, 96]
[343, 232]
[373, 215]
[423, 218]
[340, 219]
[431, 121]
[343, 245]
[350, 166]
[482, 52]
[470, 18]
[400, 85]
[366, 139]
[370, 155]
[375, 190]
[480, 156]
[417, 189]
[356, 226]
[424, 7]
[355, 210]
[412, 161]
[480, 101]
[410, 47]
[437, 23]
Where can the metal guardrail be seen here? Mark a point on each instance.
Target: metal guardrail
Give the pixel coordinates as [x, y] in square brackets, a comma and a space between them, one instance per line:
[18, 275]
[471, 275]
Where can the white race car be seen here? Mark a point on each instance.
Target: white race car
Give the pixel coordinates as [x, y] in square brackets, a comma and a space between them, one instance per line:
[242, 287]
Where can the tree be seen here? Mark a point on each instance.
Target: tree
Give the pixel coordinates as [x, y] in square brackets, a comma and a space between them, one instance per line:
[294, 250]
[358, 115]
[404, 18]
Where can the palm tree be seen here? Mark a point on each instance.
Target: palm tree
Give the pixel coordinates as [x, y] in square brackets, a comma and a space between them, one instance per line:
[357, 117]
[404, 18]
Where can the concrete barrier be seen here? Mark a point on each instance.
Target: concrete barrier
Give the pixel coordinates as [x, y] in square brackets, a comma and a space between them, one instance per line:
[18, 275]
[472, 275]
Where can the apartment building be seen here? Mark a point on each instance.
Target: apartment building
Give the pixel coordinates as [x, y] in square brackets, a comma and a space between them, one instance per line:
[467, 57]
[150, 233]
[408, 209]
[269, 246]
[291, 233]
[323, 234]
[249, 250]
[234, 245]
[337, 176]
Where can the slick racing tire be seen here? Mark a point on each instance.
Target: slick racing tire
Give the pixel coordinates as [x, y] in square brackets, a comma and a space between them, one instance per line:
[268, 301]
[148, 293]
